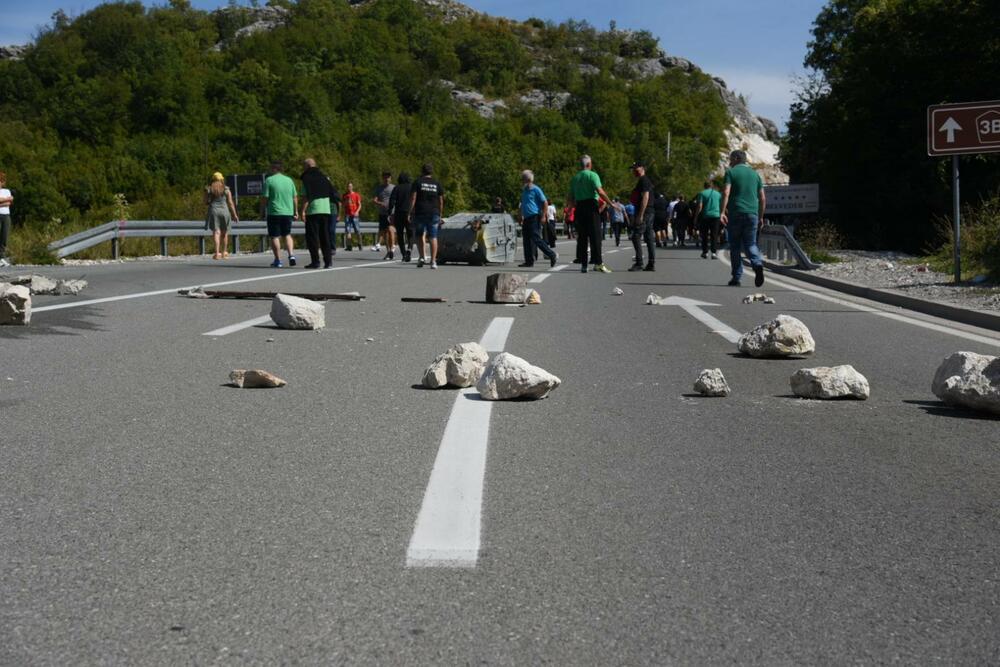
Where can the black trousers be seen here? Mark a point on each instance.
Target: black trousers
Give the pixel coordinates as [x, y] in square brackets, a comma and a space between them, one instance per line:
[404, 235]
[533, 242]
[644, 231]
[318, 237]
[587, 221]
[4, 233]
[550, 234]
[709, 229]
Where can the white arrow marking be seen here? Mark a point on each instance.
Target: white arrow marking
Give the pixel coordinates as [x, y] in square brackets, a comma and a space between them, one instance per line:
[693, 308]
[950, 126]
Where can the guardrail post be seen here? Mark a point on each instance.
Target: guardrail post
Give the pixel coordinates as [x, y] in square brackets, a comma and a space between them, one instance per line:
[114, 248]
[236, 244]
[201, 245]
[263, 244]
[163, 246]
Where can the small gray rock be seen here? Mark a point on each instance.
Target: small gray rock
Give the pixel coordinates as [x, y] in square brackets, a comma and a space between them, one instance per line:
[292, 312]
[711, 382]
[255, 379]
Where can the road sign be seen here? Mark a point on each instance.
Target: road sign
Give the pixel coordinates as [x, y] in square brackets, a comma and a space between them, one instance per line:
[798, 198]
[246, 185]
[963, 129]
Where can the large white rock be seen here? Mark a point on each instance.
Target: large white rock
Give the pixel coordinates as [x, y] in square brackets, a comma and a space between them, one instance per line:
[15, 304]
[507, 377]
[969, 380]
[784, 336]
[461, 366]
[711, 382]
[292, 312]
[827, 382]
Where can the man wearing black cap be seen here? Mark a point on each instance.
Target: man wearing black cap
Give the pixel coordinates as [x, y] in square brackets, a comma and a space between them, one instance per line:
[642, 225]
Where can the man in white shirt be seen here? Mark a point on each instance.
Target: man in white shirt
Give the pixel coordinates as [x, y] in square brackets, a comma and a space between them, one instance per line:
[6, 199]
[550, 224]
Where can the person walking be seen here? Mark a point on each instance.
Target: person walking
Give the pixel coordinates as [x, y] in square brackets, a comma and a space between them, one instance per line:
[585, 192]
[618, 220]
[399, 215]
[352, 211]
[550, 224]
[533, 206]
[642, 225]
[6, 199]
[660, 220]
[681, 220]
[568, 221]
[707, 213]
[316, 212]
[386, 232]
[281, 203]
[743, 193]
[221, 214]
[334, 218]
[426, 209]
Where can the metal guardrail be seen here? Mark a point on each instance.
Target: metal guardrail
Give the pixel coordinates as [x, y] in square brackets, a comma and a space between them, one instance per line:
[777, 243]
[164, 229]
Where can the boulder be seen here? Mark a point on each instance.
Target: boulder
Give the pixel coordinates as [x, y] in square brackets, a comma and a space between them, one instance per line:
[784, 336]
[711, 382]
[292, 312]
[969, 380]
[827, 382]
[73, 287]
[255, 379]
[507, 377]
[15, 304]
[461, 366]
[506, 288]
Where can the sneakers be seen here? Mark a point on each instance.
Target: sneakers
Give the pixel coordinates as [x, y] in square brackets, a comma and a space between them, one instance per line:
[420, 262]
[524, 265]
[376, 248]
[276, 264]
[636, 267]
[349, 248]
[291, 260]
[406, 257]
[714, 256]
[758, 273]
[704, 255]
[434, 265]
[601, 268]
[649, 267]
[552, 259]
[328, 265]
[311, 265]
[735, 282]
[583, 268]
[577, 261]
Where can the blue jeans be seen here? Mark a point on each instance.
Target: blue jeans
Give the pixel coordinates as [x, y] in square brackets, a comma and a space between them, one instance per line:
[351, 221]
[428, 224]
[742, 231]
[532, 233]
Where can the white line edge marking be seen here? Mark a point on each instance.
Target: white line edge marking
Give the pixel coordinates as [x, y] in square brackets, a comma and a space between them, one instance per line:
[881, 313]
[449, 525]
[539, 278]
[239, 326]
[174, 290]
[715, 325]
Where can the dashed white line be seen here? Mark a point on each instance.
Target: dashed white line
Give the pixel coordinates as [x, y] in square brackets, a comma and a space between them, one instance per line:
[558, 267]
[239, 326]
[539, 278]
[448, 527]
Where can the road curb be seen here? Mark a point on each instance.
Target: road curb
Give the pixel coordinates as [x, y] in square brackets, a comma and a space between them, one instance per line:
[976, 318]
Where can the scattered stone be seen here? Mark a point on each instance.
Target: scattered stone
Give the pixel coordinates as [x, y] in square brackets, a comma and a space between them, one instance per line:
[291, 312]
[534, 298]
[617, 291]
[969, 380]
[15, 304]
[825, 382]
[72, 286]
[369, 340]
[753, 298]
[197, 293]
[255, 379]
[506, 288]
[269, 340]
[508, 376]
[784, 336]
[711, 382]
[888, 266]
[461, 366]
[654, 299]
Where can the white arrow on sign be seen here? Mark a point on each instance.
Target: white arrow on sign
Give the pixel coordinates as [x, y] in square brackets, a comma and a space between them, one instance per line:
[950, 126]
[693, 308]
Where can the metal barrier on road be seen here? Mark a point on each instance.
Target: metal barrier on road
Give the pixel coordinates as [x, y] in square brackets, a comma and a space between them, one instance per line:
[777, 243]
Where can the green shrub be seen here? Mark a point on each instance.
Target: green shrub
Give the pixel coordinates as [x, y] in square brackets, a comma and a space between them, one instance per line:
[980, 240]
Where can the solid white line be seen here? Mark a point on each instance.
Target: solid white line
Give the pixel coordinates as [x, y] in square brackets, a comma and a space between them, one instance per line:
[239, 326]
[717, 326]
[882, 313]
[539, 278]
[558, 267]
[495, 337]
[611, 252]
[448, 527]
[174, 290]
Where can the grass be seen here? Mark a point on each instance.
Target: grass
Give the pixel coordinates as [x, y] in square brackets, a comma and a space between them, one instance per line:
[980, 238]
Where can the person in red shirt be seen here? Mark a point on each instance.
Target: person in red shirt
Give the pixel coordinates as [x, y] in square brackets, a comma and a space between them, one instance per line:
[352, 209]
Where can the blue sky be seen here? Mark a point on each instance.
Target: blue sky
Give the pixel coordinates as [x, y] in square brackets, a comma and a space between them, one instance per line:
[756, 46]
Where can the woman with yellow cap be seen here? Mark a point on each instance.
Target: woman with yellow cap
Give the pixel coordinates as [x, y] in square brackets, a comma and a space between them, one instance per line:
[221, 214]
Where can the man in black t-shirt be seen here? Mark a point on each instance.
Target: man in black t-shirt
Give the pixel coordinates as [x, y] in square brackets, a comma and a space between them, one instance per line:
[426, 209]
[681, 220]
[642, 225]
[399, 215]
[660, 206]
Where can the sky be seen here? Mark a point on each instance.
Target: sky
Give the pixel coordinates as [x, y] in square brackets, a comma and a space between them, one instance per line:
[756, 46]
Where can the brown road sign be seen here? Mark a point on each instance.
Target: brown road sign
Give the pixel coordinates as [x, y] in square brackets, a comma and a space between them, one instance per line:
[963, 129]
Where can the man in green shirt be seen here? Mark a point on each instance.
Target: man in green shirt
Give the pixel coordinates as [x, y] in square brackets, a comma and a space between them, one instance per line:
[585, 191]
[316, 212]
[707, 213]
[742, 213]
[281, 203]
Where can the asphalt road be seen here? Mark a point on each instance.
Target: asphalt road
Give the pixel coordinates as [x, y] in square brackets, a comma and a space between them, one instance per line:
[152, 515]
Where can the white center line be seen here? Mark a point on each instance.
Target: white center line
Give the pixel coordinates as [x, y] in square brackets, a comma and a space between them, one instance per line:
[239, 326]
[174, 290]
[448, 527]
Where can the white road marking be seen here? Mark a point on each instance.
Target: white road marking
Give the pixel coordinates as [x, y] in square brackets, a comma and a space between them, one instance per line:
[693, 308]
[881, 313]
[611, 252]
[558, 267]
[539, 278]
[239, 326]
[448, 527]
[496, 334]
[174, 290]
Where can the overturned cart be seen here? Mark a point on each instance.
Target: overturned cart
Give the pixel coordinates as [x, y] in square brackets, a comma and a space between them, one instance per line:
[477, 238]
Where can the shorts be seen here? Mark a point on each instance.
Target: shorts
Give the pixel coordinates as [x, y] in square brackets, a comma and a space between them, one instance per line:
[428, 224]
[660, 225]
[383, 222]
[279, 225]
